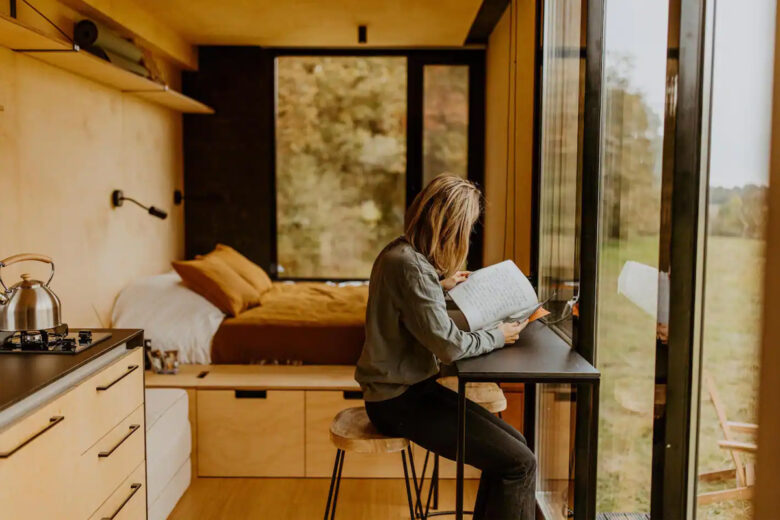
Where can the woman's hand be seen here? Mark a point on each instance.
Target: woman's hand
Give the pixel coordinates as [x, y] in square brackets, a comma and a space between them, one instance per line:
[512, 330]
[455, 279]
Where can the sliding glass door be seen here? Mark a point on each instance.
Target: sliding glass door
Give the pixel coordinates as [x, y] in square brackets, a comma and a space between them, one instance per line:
[740, 90]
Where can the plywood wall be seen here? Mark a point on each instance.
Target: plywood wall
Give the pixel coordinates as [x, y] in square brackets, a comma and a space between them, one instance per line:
[509, 113]
[65, 144]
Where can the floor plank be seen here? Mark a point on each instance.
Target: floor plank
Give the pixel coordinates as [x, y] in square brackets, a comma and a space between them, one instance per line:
[302, 499]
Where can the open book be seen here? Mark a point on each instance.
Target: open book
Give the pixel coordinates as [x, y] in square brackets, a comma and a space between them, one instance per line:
[496, 293]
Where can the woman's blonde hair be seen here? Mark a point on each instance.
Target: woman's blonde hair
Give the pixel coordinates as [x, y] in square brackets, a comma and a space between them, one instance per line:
[439, 221]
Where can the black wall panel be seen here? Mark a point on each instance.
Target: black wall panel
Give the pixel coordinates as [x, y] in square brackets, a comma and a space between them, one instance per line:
[228, 156]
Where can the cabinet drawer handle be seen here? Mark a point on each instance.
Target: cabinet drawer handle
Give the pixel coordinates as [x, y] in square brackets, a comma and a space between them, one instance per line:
[133, 428]
[133, 490]
[129, 370]
[352, 394]
[251, 394]
[53, 421]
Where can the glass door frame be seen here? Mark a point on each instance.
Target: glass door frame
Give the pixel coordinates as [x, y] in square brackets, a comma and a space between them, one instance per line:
[677, 361]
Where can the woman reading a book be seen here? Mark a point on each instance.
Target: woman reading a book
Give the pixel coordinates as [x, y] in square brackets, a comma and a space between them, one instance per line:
[408, 334]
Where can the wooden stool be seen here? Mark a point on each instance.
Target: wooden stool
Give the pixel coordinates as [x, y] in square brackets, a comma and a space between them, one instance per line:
[488, 395]
[351, 430]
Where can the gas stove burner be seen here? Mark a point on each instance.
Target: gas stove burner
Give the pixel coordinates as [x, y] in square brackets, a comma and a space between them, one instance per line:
[50, 341]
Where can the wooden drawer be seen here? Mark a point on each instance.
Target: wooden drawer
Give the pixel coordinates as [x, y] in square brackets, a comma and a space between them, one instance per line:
[128, 499]
[109, 462]
[109, 396]
[38, 464]
[254, 433]
[321, 408]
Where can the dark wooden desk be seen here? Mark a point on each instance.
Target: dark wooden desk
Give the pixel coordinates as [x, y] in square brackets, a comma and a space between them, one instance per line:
[540, 356]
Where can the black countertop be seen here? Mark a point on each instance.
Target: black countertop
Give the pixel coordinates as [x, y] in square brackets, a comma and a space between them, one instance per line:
[21, 375]
[539, 355]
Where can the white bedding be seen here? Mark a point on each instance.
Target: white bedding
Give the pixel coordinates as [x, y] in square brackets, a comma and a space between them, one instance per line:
[168, 447]
[172, 316]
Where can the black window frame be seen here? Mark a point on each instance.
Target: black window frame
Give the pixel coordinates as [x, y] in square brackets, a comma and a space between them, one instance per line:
[416, 60]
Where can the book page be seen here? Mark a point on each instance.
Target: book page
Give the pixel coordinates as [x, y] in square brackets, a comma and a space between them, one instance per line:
[493, 294]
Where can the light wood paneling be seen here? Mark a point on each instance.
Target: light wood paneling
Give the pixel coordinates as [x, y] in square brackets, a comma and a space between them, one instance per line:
[66, 143]
[36, 469]
[257, 437]
[99, 411]
[15, 35]
[261, 377]
[102, 475]
[303, 499]
[317, 24]
[118, 503]
[321, 408]
[509, 120]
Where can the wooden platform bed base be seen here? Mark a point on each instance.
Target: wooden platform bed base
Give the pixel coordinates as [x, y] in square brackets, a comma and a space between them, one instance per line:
[273, 421]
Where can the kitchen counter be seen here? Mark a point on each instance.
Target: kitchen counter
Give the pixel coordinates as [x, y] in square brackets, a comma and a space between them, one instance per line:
[24, 375]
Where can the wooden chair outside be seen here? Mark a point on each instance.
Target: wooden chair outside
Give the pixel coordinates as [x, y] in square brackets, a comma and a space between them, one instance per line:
[743, 472]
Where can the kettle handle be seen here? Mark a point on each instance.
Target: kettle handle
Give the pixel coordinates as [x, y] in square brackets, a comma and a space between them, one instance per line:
[23, 257]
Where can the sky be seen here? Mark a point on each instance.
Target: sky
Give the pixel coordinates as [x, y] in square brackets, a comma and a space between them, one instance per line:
[741, 83]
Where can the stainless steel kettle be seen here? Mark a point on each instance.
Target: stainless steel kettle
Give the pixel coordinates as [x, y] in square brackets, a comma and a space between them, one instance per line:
[29, 304]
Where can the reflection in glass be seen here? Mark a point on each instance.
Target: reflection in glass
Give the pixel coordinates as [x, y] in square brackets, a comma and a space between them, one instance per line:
[445, 120]
[340, 162]
[629, 219]
[562, 89]
[562, 97]
[740, 125]
[555, 415]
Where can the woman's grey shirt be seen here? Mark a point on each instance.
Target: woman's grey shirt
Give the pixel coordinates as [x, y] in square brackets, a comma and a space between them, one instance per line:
[408, 330]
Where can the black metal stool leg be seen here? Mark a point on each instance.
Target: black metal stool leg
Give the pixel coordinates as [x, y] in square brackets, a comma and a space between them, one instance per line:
[332, 483]
[408, 487]
[435, 482]
[338, 483]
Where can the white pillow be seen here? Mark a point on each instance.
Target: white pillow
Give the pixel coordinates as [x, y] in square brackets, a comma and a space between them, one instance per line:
[172, 316]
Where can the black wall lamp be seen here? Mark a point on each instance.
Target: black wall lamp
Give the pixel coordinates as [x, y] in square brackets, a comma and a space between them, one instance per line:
[118, 198]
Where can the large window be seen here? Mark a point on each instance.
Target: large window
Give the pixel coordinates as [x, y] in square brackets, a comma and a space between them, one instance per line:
[340, 162]
[445, 120]
[561, 159]
[632, 114]
[739, 137]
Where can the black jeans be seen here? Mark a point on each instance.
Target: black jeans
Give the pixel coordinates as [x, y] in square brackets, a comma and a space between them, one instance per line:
[427, 414]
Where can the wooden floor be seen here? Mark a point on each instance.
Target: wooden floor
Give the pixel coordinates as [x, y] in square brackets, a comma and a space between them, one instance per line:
[302, 499]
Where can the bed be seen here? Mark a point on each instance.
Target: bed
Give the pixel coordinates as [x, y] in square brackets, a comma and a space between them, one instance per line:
[307, 322]
[317, 323]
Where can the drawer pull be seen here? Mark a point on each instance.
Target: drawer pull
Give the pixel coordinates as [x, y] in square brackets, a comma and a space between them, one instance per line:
[353, 394]
[133, 428]
[53, 421]
[251, 394]
[133, 490]
[129, 370]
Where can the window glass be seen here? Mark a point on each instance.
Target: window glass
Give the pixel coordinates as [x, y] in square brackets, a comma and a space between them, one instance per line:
[562, 80]
[562, 90]
[741, 90]
[633, 96]
[340, 162]
[445, 120]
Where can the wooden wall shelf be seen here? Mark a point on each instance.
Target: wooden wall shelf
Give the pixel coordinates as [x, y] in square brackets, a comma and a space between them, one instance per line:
[64, 55]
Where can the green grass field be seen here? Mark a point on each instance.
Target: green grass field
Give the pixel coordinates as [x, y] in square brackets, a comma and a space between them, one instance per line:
[626, 357]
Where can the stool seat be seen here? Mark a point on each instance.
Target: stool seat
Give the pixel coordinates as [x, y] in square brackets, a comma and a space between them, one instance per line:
[488, 395]
[351, 430]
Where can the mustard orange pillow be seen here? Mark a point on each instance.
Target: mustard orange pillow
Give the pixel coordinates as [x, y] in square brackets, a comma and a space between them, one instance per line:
[218, 283]
[252, 273]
